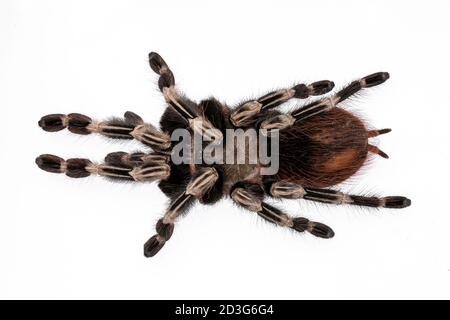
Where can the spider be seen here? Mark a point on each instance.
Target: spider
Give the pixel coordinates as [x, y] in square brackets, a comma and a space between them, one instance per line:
[320, 145]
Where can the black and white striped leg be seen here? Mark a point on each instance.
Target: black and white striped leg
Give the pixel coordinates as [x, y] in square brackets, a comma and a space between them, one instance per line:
[118, 165]
[159, 66]
[184, 106]
[246, 113]
[200, 183]
[166, 82]
[131, 126]
[251, 197]
[165, 225]
[289, 190]
[136, 159]
[285, 120]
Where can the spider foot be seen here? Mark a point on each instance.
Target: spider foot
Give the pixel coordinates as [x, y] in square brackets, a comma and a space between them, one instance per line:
[153, 245]
[315, 228]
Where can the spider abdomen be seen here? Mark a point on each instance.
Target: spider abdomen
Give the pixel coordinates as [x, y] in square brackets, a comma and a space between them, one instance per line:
[323, 151]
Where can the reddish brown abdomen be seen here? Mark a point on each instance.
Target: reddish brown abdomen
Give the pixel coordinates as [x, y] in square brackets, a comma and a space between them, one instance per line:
[323, 150]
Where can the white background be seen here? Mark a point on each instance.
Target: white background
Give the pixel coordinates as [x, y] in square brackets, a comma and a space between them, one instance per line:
[67, 238]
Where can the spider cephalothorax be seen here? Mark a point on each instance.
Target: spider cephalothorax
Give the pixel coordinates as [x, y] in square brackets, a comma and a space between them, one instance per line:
[319, 145]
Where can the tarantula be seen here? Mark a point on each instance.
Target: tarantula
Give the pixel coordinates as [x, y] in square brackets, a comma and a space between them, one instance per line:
[320, 145]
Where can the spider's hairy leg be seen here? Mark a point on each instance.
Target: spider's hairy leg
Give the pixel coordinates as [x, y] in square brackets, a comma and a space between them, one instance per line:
[201, 182]
[159, 66]
[135, 159]
[165, 225]
[183, 105]
[289, 190]
[250, 197]
[246, 113]
[131, 126]
[118, 165]
[144, 166]
[285, 120]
